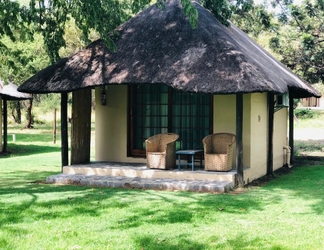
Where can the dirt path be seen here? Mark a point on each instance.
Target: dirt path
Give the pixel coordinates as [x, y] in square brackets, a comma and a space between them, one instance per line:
[309, 134]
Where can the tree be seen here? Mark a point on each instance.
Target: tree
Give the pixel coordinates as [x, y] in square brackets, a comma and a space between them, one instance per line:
[49, 18]
[66, 26]
[295, 33]
[18, 61]
[251, 18]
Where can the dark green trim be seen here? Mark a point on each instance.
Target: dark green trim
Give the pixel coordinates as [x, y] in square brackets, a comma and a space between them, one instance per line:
[291, 128]
[64, 130]
[239, 140]
[5, 125]
[270, 132]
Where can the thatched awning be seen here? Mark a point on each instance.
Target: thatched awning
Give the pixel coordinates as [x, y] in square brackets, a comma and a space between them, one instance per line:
[10, 92]
[160, 47]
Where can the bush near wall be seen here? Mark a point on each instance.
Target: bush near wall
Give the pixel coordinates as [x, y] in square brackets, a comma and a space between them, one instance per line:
[305, 113]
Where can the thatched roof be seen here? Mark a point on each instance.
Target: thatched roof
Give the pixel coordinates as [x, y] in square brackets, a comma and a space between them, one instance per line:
[10, 92]
[160, 47]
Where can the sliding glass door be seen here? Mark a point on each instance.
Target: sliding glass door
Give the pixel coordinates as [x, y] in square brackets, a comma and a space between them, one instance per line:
[156, 108]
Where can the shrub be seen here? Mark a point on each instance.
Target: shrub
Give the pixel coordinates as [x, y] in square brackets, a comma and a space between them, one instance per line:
[304, 113]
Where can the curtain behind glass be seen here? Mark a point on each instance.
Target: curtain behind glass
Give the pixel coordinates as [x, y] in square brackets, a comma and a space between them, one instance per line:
[158, 109]
[150, 112]
[190, 118]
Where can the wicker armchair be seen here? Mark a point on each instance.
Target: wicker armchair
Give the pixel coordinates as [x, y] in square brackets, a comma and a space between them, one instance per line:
[218, 151]
[160, 151]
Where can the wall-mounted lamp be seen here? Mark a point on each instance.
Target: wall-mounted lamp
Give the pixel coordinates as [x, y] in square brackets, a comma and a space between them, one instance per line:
[103, 96]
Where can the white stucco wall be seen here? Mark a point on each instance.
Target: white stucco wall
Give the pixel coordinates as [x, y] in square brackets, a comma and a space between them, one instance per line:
[246, 137]
[111, 129]
[224, 114]
[257, 139]
[111, 126]
[255, 124]
[280, 137]
[225, 121]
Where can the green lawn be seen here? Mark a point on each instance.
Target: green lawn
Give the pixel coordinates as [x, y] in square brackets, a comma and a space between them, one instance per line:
[309, 133]
[285, 213]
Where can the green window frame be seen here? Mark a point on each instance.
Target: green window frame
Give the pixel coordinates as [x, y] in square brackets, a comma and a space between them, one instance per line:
[157, 108]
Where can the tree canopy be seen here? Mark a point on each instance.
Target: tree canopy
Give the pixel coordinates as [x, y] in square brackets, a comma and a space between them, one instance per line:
[49, 18]
[296, 31]
[300, 40]
[35, 33]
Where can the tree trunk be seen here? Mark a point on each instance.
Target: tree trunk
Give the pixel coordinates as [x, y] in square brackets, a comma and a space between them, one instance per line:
[16, 111]
[29, 114]
[13, 113]
[81, 126]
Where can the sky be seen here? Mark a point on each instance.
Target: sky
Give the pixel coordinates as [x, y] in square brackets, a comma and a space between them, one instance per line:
[270, 8]
[262, 1]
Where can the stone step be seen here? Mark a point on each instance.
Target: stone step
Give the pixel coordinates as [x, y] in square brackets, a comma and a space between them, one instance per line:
[141, 171]
[210, 186]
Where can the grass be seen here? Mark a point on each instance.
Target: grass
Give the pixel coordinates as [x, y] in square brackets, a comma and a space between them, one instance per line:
[313, 119]
[310, 148]
[285, 212]
[310, 126]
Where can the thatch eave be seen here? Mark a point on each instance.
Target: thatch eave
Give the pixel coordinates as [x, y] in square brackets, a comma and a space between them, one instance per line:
[160, 47]
[9, 92]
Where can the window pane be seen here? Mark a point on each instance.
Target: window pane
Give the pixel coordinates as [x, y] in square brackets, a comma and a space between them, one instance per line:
[190, 118]
[150, 112]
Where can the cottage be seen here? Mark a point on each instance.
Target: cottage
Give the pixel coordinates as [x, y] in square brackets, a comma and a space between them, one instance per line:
[166, 76]
[8, 93]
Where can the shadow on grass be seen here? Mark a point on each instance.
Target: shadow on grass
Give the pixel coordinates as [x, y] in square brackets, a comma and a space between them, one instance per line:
[154, 215]
[304, 148]
[21, 150]
[241, 241]
[245, 242]
[201, 206]
[159, 243]
[20, 179]
[32, 205]
[91, 201]
[309, 180]
[305, 180]
[44, 201]
[31, 137]
[308, 160]
[81, 200]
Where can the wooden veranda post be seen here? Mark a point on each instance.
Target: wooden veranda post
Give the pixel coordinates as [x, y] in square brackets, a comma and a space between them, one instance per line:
[270, 133]
[291, 128]
[54, 127]
[64, 130]
[5, 125]
[81, 126]
[239, 140]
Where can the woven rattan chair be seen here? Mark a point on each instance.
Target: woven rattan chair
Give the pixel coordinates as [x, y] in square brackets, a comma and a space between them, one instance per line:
[160, 151]
[218, 151]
